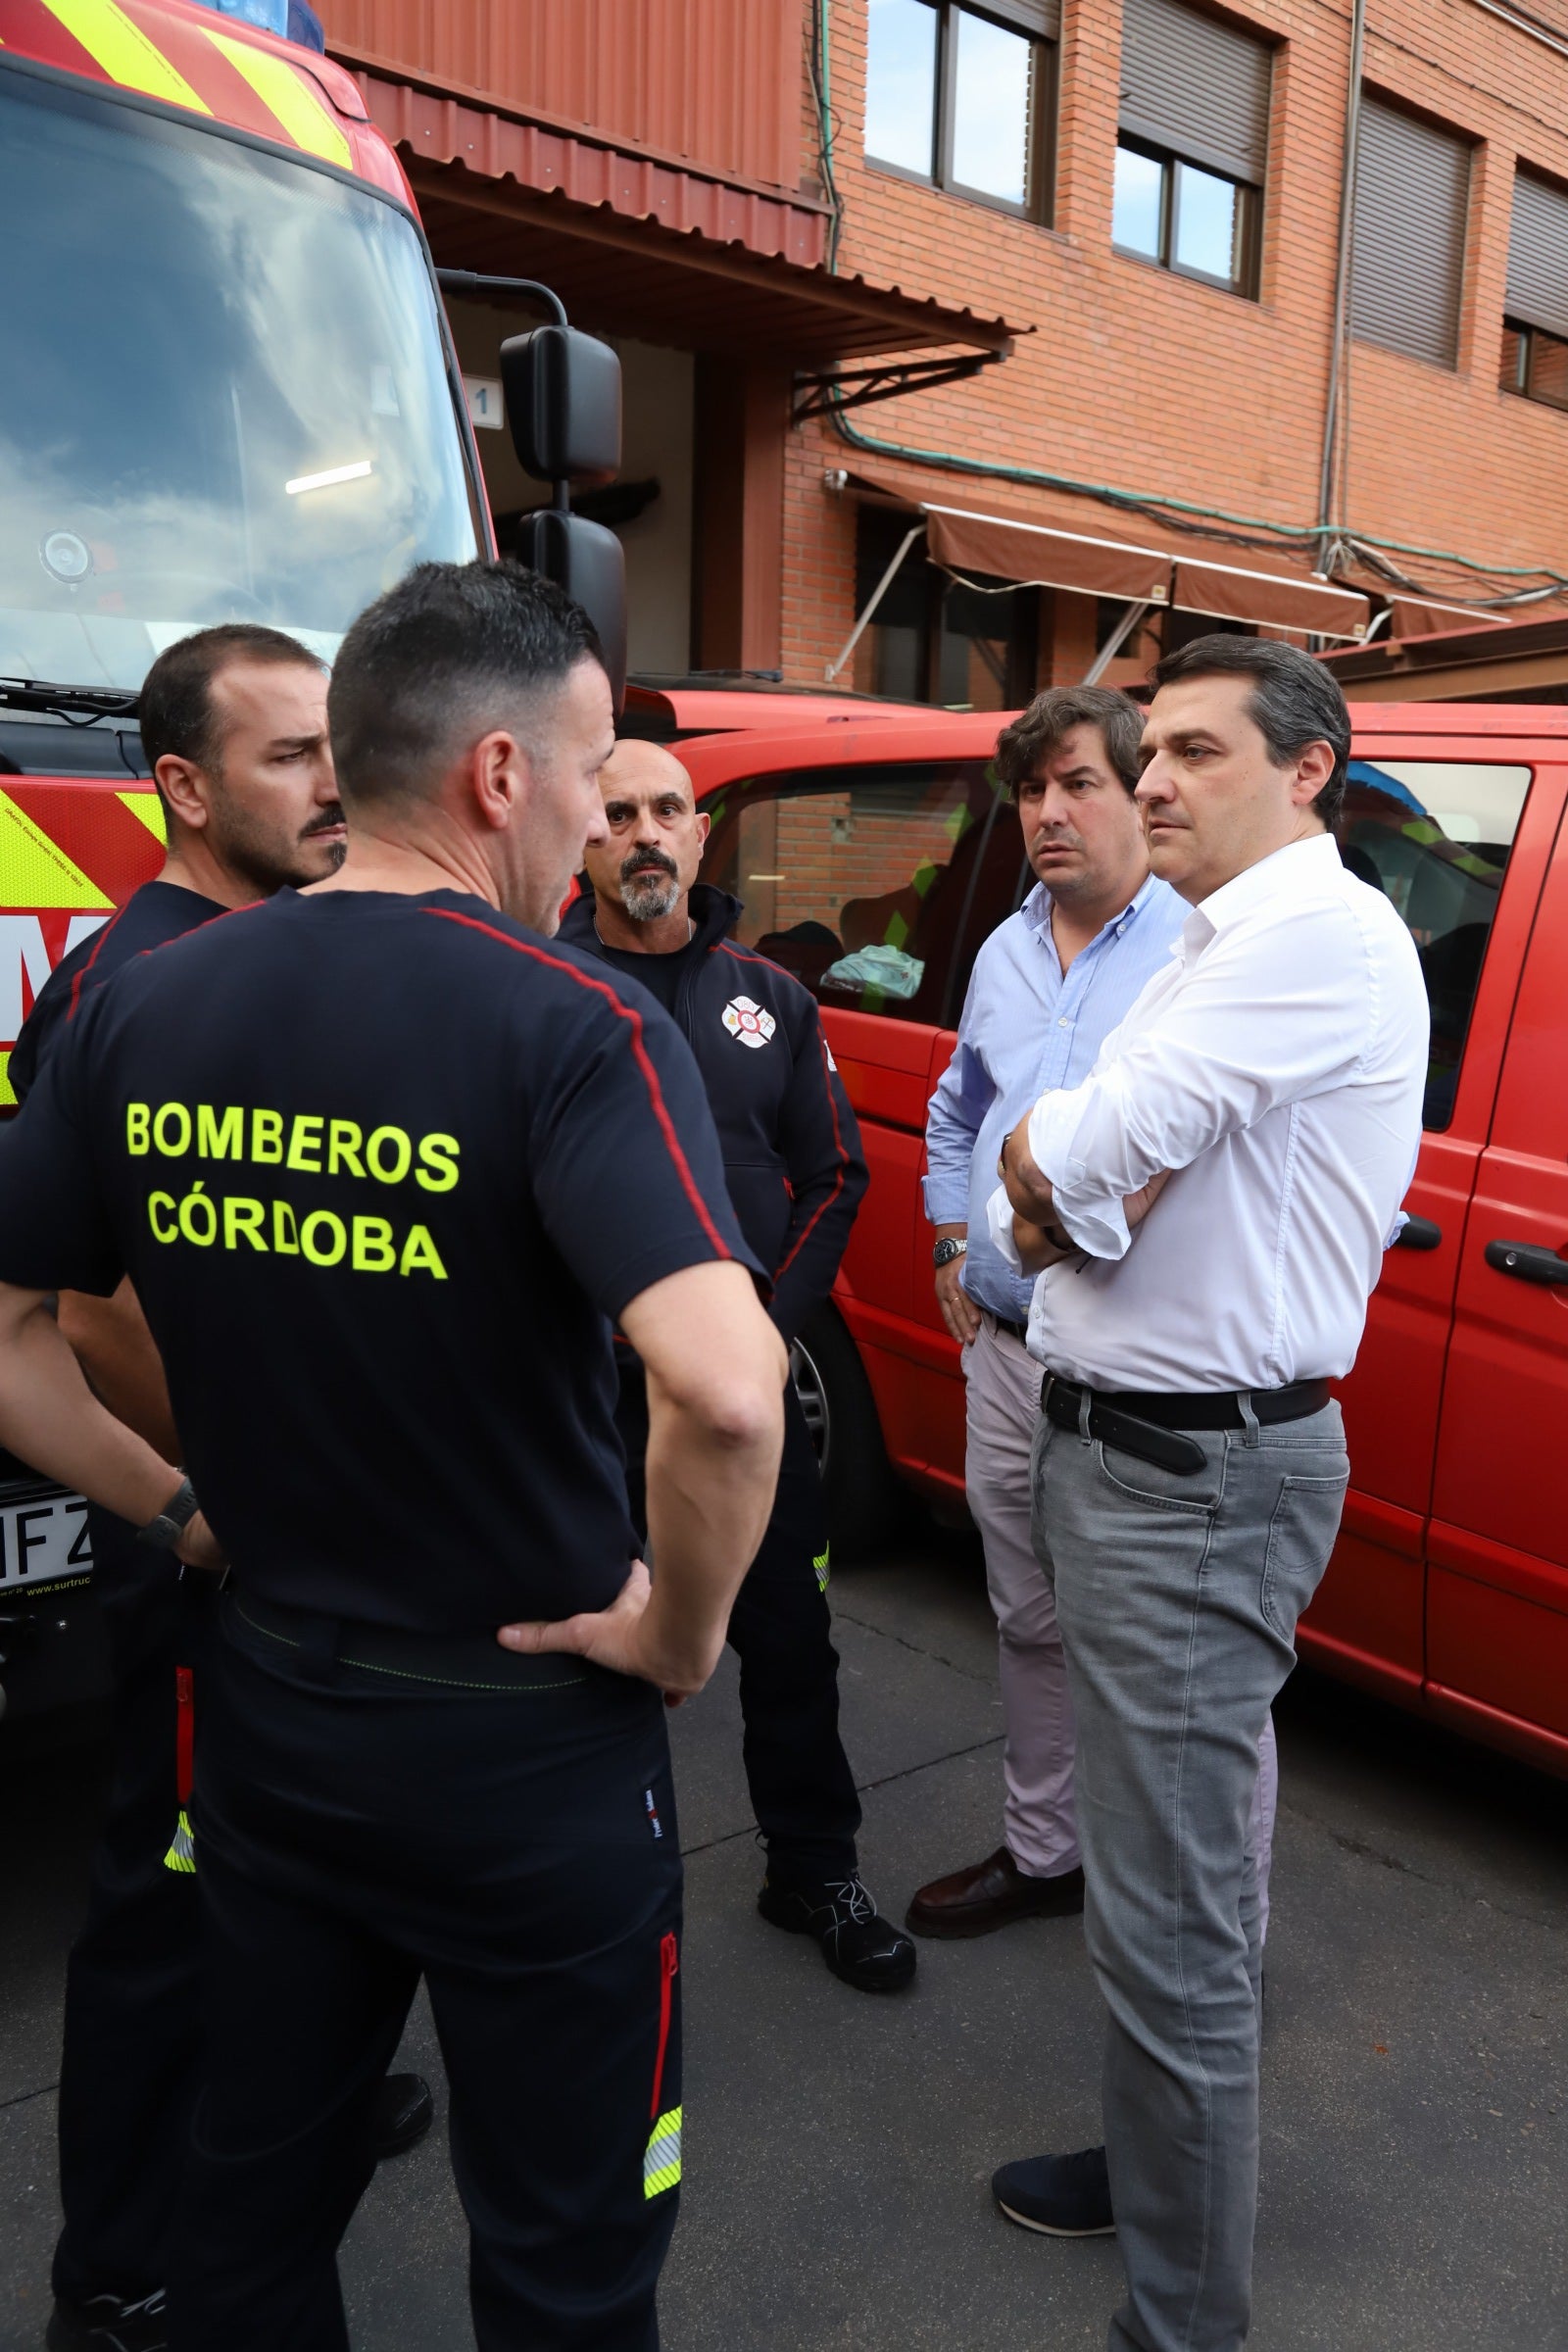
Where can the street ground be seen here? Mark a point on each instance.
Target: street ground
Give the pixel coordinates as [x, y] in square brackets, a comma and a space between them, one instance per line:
[838, 2148]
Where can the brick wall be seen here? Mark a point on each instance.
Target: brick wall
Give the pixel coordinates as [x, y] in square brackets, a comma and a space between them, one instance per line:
[1151, 382]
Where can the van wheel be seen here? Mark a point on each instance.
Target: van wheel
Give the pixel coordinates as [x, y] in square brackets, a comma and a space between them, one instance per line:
[840, 1412]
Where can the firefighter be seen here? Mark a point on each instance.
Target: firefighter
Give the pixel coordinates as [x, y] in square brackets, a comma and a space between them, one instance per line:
[383, 1164]
[233, 725]
[792, 1159]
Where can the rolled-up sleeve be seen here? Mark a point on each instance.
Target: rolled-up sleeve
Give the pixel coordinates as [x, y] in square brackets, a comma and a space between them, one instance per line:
[1266, 1016]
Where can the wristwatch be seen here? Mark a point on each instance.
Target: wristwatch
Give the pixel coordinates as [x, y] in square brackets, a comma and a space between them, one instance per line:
[947, 1251]
[163, 1532]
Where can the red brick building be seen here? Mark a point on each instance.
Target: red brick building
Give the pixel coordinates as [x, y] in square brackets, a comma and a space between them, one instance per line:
[1196, 385]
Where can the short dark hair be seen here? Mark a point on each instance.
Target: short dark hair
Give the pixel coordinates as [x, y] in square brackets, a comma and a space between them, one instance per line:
[1295, 700]
[175, 703]
[1039, 729]
[452, 647]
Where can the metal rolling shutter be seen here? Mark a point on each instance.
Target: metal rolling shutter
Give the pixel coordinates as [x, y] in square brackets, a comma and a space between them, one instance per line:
[1197, 86]
[1538, 256]
[1412, 189]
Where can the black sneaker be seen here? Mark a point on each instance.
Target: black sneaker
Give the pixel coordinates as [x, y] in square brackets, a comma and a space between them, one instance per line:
[404, 2114]
[857, 1944]
[104, 2323]
[1061, 2196]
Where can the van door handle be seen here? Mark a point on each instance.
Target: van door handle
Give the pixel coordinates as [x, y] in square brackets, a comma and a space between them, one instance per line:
[1528, 1261]
[1419, 1233]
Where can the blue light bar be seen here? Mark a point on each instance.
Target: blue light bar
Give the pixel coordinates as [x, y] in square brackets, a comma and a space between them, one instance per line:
[290, 20]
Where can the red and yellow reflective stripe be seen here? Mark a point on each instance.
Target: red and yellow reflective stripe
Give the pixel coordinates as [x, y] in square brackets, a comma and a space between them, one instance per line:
[287, 98]
[119, 47]
[124, 51]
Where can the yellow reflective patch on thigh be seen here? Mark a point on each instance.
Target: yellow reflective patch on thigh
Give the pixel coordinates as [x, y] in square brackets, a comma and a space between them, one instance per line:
[820, 1564]
[661, 2163]
[181, 1854]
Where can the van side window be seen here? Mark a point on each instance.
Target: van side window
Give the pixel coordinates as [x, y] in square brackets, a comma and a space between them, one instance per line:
[1435, 835]
[872, 885]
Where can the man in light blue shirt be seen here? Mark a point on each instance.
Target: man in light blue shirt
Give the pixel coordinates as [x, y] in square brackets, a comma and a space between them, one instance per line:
[1049, 987]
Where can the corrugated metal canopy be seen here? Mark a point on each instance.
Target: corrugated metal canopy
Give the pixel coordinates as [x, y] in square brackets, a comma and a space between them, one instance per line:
[645, 249]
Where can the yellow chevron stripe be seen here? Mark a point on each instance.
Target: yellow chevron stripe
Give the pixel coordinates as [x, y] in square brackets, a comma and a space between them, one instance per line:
[285, 96]
[34, 871]
[149, 808]
[124, 51]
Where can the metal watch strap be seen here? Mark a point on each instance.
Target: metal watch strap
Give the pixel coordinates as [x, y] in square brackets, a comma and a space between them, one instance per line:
[948, 1248]
[165, 1532]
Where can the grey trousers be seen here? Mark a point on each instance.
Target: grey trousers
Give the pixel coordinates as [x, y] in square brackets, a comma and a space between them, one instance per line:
[1039, 1823]
[1177, 1598]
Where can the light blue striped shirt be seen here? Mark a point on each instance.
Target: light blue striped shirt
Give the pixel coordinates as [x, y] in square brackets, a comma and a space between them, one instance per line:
[1028, 1027]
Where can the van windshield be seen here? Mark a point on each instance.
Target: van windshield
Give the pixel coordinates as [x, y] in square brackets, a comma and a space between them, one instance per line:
[224, 394]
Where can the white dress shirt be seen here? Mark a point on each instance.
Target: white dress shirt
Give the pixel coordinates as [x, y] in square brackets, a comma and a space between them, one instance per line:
[1277, 1065]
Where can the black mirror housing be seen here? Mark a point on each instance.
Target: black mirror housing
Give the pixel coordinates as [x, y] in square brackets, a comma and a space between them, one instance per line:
[563, 392]
[588, 561]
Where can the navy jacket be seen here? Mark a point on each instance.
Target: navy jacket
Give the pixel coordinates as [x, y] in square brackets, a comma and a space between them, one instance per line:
[791, 1150]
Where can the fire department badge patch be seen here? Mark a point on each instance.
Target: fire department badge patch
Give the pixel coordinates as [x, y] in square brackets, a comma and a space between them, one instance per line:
[748, 1024]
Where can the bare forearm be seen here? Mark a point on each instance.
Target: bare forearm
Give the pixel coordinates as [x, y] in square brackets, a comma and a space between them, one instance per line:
[114, 1346]
[710, 1496]
[51, 1420]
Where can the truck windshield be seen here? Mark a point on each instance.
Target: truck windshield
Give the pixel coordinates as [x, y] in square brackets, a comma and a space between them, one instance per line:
[224, 394]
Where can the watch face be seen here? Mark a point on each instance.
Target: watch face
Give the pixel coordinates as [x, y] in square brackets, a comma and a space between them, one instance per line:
[947, 1251]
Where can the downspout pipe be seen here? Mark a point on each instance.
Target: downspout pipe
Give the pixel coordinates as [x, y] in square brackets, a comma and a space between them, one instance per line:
[1339, 353]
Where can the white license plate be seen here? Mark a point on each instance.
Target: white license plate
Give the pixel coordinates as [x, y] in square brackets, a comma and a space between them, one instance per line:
[42, 1538]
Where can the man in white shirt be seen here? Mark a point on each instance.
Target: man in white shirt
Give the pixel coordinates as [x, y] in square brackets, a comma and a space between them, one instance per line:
[1261, 1106]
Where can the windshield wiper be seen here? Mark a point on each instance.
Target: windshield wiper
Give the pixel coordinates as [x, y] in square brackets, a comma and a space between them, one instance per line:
[91, 702]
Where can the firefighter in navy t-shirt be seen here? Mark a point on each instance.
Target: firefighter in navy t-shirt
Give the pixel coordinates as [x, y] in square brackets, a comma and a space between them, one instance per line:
[384, 1165]
[234, 728]
[795, 1176]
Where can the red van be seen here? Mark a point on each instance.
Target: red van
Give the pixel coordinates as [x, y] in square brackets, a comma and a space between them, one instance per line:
[875, 853]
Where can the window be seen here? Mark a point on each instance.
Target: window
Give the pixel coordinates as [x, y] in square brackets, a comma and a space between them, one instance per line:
[1534, 334]
[935, 639]
[1192, 143]
[1413, 193]
[872, 885]
[1535, 364]
[962, 97]
[1435, 835]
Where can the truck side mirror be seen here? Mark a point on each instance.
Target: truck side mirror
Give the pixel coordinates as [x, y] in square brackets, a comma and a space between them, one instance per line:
[588, 561]
[563, 391]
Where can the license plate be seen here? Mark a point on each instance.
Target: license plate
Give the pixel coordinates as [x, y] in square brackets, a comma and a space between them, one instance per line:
[44, 1537]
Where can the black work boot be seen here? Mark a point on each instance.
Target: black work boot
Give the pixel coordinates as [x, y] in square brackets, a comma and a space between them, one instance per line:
[106, 2324]
[404, 2114]
[857, 1944]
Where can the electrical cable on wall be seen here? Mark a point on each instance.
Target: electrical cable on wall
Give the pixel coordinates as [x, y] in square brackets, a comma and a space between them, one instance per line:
[1371, 554]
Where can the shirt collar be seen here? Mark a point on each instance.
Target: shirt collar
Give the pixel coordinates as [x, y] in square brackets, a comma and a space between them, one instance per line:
[1035, 911]
[1281, 875]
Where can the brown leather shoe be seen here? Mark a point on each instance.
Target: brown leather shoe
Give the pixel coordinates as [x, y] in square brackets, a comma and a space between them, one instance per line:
[992, 1895]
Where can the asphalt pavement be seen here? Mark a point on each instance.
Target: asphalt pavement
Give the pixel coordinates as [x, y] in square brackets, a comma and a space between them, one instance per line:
[838, 2147]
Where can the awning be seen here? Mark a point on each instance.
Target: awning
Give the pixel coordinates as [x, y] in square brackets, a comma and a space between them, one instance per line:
[640, 246]
[1198, 575]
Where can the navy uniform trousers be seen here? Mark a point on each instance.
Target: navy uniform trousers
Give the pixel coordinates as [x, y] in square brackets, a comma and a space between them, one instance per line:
[130, 2064]
[781, 1629]
[514, 1842]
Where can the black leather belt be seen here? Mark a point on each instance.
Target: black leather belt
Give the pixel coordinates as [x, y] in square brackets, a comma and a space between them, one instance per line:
[1151, 1423]
[1014, 1331]
[456, 1661]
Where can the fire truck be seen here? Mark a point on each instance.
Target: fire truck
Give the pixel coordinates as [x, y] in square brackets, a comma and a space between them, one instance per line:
[229, 393]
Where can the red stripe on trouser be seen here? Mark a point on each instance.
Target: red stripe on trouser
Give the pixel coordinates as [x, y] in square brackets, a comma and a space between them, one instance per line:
[668, 1963]
[184, 1732]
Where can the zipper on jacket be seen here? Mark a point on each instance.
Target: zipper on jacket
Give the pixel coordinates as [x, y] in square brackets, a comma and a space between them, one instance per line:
[668, 1966]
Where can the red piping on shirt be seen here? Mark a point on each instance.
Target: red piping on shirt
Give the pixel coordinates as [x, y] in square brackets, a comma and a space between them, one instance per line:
[828, 1199]
[669, 1964]
[640, 1054]
[104, 930]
